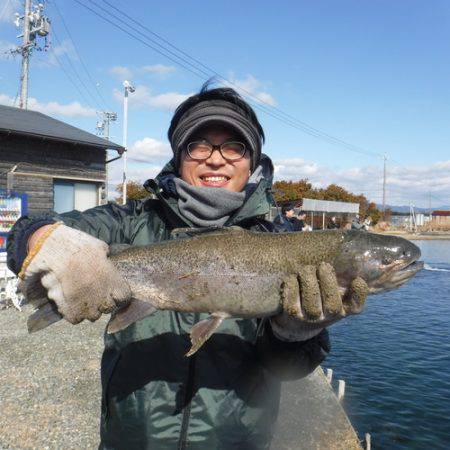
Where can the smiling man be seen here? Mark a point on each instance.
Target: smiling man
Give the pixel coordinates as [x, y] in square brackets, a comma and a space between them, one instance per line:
[227, 395]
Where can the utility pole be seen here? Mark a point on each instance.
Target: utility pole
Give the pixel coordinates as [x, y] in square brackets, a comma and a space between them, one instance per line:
[429, 205]
[103, 126]
[35, 24]
[23, 102]
[384, 186]
[128, 88]
[103, 130]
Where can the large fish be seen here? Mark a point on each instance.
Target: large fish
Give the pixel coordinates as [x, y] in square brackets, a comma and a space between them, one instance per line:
[233, 272]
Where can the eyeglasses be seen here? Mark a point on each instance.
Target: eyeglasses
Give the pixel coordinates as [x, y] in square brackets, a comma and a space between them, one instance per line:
[230, 150]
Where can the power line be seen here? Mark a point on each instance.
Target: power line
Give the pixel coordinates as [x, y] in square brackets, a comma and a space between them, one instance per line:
[94, 84]
[5, 8]
[77, 75]
[135, 37]
[248, 93]
[69, 77]
[185, 60]
[199, 71]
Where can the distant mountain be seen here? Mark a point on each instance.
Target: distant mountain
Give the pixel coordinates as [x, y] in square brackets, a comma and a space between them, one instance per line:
[405, 208]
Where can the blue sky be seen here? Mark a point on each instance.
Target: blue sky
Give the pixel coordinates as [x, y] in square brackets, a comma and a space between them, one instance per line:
[374, 74]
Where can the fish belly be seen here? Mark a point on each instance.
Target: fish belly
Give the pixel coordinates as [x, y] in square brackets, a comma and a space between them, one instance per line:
[240, 295]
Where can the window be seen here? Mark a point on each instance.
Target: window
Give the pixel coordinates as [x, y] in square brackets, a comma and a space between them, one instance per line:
[69, 195]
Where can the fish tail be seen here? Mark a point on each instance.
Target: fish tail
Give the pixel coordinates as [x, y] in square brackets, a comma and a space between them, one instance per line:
[45, 315]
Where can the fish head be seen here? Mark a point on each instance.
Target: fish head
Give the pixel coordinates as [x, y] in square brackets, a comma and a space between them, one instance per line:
[384, 262]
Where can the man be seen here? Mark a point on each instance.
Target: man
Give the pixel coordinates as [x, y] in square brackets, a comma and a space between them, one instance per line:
[288, 220]
[332, 224]
[356, 223]
[153, 397]
[301, 220]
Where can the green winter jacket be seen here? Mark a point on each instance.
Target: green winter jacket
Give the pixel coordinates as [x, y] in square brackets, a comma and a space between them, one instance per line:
[153, 397]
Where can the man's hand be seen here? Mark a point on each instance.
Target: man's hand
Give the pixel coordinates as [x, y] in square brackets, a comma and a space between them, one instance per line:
[71, 268]
[313, 301]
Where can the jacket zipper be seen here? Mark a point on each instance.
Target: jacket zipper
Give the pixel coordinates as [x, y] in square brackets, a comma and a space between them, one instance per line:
[182, 443]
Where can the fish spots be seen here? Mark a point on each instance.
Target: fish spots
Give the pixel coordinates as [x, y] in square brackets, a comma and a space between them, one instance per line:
[194, 293]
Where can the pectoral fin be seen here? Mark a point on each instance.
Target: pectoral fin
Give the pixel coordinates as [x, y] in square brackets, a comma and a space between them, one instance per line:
[203, 330]
[136, 310]
[44, 316]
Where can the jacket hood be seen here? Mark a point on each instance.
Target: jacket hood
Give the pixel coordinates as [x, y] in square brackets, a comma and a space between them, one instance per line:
[257, 203]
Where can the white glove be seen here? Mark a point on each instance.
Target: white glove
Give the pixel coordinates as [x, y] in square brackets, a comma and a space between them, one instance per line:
[313, 301]
[72, 267]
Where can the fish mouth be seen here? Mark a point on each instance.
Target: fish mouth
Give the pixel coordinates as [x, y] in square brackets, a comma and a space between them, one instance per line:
[397, 277]
[403, 275]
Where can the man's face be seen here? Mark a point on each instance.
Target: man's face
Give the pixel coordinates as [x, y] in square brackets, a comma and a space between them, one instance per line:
[290, 213]
[216, 171]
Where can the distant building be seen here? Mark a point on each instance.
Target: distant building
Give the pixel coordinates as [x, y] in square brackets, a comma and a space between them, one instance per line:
[59, 167]
[319, 211]
[441, 217]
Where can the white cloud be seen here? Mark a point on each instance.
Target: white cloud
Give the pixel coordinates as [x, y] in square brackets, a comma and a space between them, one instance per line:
[121, 72]
[146, 158]
[404, 184]
[50, 58]
[169, 101]
[128, 73]
[135, 172]
[65, 47]
[8, 8]
[149, 150]
[143, 97]
[250, 85]
[72, 109]
[158, 69]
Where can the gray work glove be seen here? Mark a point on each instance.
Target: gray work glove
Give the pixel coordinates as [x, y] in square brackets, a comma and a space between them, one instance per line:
[315, 301]
[71, 268]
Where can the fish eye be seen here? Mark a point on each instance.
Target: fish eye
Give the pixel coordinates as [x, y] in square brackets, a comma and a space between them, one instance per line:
[386, 261]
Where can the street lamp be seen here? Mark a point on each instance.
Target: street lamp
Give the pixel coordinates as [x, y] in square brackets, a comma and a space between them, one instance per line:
[128, 88]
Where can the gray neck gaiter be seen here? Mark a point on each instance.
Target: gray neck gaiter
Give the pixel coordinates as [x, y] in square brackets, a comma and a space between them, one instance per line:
[205, 206]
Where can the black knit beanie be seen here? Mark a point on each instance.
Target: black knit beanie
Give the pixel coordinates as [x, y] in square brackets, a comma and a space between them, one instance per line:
[216, 111]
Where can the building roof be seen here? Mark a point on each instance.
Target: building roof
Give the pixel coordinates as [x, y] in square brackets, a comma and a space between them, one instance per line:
[25, 122]
[441, 213]
[327, 206]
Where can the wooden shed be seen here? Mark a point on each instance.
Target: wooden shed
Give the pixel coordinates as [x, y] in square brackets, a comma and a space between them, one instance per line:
[60, 167]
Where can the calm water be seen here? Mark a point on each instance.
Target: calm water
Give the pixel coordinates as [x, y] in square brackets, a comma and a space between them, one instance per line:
[395, 359]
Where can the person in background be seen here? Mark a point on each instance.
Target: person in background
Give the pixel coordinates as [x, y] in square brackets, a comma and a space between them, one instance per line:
[227, 395]
[356, 223]
[332, 224]
[301, 220]
[367, 223]
[288, 220]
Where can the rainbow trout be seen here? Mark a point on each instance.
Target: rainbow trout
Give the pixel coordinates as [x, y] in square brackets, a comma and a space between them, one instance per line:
[232, 272]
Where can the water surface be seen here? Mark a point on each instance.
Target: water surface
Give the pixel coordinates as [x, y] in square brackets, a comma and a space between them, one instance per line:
[395, 358]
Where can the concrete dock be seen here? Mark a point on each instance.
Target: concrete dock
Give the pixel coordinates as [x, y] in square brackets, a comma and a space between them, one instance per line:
[312, 418]
[50, 393]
